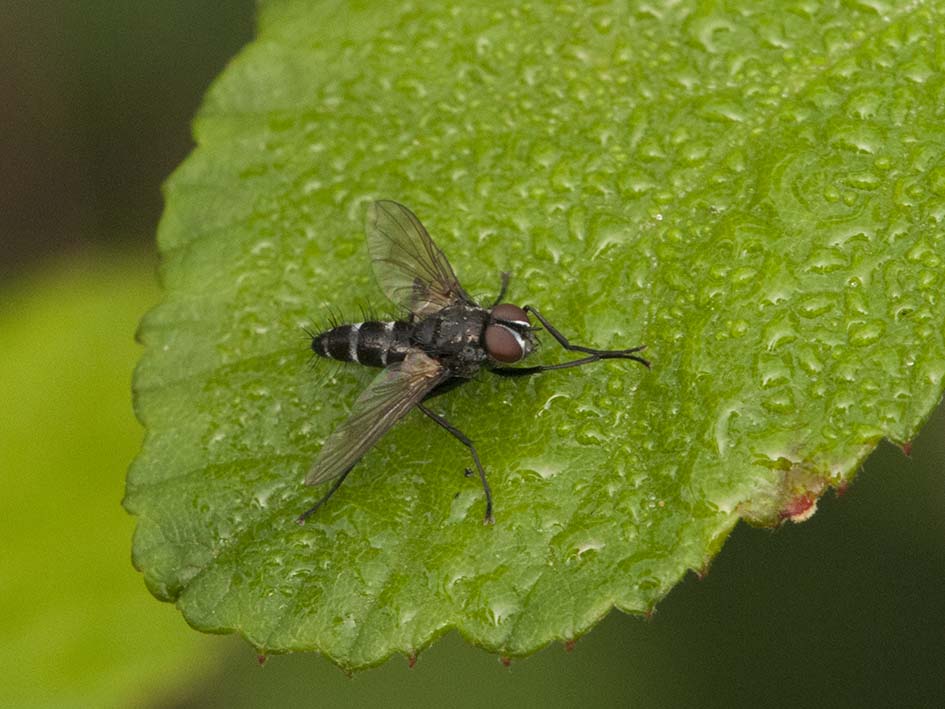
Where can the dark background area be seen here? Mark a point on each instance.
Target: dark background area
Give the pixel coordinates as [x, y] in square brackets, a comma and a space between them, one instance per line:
[96, 99]
[847, 609]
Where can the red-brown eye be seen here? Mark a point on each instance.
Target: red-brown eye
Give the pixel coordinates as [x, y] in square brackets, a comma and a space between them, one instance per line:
[504, 344]
[512, 313]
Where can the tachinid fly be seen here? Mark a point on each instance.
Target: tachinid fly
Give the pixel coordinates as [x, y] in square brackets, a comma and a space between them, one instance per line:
[445, 341]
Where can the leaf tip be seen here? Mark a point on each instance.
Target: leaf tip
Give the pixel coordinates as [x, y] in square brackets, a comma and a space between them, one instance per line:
[261, 658]
[569, 644]
[907, 449]
[505, 660]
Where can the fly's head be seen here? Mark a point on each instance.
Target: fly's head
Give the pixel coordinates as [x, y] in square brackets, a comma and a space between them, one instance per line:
[509, 336]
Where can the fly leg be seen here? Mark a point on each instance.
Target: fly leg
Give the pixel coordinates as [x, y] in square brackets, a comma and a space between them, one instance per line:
[331, 491]
[593, 355]
[505, 287]
[461, 437]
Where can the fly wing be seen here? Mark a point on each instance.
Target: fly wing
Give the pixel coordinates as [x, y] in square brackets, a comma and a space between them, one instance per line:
[410, 268]
[388, 398]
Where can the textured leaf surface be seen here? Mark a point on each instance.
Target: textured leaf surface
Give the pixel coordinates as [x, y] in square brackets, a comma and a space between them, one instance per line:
[754, 189]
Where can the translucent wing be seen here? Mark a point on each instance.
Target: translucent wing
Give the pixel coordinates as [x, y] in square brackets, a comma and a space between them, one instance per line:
[387, 399]
[410, 268]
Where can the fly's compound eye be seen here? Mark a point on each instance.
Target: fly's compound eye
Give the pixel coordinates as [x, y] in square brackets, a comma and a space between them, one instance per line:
[511, 313]
[504, 344]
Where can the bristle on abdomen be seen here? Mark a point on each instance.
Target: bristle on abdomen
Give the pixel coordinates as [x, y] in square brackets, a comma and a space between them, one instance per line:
[376, 344]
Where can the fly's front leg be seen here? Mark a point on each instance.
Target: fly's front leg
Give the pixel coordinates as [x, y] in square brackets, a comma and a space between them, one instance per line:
[599, 354]
[593, 355]
[461, 437]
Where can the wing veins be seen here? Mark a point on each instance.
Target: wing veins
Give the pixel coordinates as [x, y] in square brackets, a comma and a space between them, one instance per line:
[409, 266]
[386, 400]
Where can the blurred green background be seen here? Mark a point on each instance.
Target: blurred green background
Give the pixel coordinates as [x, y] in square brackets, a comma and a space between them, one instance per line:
[95, 103]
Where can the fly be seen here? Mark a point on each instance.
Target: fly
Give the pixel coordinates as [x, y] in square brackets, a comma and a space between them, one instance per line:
[444, 342]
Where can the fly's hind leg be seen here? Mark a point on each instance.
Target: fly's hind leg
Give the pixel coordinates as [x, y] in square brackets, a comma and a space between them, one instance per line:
[331, 491]
[461, 437]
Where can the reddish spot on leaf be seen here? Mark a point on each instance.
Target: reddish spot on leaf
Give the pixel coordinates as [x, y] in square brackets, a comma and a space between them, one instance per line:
[569, 645]
[261, 659]
[412, 660]
[842, 488]
[800, 508]
[907, 449]
[505, 661]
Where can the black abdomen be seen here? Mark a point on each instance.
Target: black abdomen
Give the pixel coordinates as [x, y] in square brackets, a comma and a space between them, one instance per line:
[376, 344]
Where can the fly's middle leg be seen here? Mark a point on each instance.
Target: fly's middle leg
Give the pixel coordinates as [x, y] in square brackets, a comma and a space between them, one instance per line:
[462, 438]
[502, 289]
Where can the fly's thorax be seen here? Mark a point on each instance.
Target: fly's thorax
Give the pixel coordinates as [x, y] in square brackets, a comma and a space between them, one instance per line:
[508, 336]
[373, 343]
[454, 331]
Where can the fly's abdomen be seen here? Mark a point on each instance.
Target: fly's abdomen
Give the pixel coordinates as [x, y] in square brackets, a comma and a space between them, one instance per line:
[376, 344]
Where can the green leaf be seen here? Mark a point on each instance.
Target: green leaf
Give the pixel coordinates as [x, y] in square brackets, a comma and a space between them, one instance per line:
[753, 189]
[77, 629]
